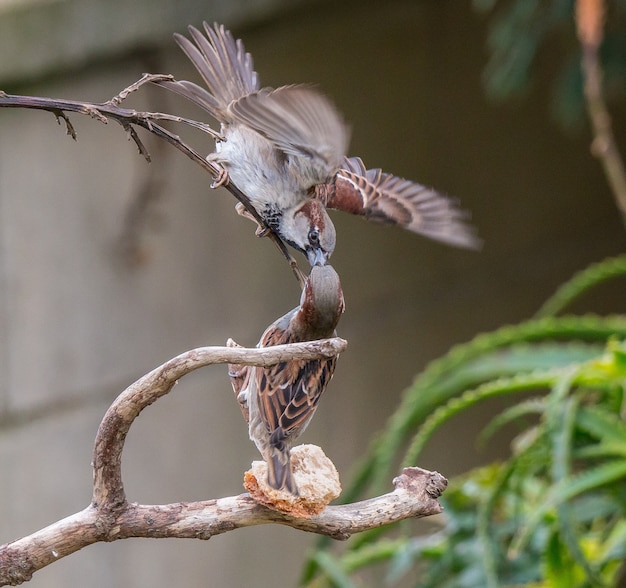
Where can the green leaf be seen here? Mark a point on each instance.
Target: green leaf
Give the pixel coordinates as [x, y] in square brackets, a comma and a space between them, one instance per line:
[601, 424]
[609, 368]
[521, 383]
[333, 570]
[567, 489]
[559, 569]
[532, 406]
[436, 385]
[582, 282]
[614, 547]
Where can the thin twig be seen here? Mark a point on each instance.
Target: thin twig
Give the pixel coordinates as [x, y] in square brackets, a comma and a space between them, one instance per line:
[590, 21]
[145, 79]
[127, 118]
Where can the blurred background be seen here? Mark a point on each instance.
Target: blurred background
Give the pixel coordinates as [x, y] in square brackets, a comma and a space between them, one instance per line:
[110, 266]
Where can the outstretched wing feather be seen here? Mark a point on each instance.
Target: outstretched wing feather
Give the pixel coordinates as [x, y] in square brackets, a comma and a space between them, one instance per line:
[389, 199]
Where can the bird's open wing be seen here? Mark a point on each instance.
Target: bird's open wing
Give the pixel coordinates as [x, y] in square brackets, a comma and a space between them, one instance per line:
[299, 120]
[225, 67]
[389, 199]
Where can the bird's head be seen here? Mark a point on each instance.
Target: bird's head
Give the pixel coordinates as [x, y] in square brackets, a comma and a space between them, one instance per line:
[308, 228]
[321, 303]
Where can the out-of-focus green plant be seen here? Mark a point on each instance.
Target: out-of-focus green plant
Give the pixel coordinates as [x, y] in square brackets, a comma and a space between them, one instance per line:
[517, 32]
[552, 514]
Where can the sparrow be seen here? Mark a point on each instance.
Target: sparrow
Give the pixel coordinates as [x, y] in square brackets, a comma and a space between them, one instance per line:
[279, 401]
[285, 149]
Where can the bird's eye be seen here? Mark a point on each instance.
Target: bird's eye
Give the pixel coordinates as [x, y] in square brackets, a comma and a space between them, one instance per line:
[314, 238]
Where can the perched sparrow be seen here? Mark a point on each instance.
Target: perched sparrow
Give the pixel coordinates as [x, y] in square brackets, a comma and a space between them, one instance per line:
[285, 149]
[279, 401]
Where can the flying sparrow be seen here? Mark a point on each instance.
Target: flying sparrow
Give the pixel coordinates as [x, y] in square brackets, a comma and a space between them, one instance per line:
[279, 401]
[285, 149]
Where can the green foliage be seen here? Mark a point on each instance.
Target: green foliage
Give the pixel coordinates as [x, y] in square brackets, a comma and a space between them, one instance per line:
[517, 32]
[554, 513]
[594, 275]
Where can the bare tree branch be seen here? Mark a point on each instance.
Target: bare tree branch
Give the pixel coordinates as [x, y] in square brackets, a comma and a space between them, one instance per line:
[590, 15]
[202, 520]
[152, 184]
[111, 517]
[129, 118]
[108, 488]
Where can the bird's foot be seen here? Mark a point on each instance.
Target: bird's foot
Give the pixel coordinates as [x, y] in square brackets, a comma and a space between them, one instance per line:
[221, 180]
[260, 231]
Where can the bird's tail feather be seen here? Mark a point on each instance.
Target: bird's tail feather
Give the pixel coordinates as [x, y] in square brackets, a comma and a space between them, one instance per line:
[279, 474]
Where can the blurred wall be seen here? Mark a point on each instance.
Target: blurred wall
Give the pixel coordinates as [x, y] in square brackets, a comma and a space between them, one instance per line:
[79, 321]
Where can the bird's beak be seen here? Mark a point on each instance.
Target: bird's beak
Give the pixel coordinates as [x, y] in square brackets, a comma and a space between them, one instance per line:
[317, 256]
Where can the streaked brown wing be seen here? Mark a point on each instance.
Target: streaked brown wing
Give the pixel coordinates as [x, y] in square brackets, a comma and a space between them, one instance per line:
[289, 393]
[389, 199]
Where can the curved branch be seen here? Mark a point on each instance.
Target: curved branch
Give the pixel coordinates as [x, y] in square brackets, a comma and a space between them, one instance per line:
[108, 489]
[111, 517]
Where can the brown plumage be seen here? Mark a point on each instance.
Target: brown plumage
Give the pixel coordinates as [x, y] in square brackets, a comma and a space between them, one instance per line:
[277, 143]
[286, 146]
[387, 199]
[279, 401]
